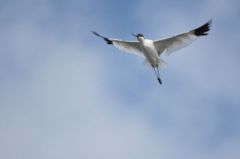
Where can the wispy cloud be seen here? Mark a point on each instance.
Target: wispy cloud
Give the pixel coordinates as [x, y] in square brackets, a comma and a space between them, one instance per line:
[64, 95]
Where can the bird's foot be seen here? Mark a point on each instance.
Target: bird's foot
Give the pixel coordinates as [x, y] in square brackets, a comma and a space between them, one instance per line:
[159, 80]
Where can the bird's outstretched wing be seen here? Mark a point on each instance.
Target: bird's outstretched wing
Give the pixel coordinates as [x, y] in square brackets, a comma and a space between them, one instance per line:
[177, 42]
[126, 46]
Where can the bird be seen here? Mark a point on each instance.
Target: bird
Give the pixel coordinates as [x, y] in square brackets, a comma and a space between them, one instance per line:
[151, 50]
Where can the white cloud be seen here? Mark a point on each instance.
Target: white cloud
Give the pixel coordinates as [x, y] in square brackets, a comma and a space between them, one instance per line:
[61, 104]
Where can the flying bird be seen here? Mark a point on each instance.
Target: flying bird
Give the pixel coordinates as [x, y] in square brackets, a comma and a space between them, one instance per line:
[151, 50]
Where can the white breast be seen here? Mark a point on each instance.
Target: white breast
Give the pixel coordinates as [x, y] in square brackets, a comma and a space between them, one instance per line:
[150, 52]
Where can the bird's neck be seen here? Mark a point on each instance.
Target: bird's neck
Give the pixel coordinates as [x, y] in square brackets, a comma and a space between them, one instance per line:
[141, 40]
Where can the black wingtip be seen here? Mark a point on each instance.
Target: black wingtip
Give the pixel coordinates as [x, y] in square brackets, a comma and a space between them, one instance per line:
[95, 33]
[203, 30]
[108, 41]
[104, 38]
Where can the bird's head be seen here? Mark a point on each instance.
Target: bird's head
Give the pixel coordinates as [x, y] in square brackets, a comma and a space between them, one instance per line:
[140, 37]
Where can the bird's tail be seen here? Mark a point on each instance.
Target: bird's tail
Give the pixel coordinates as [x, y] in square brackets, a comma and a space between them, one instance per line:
[161, 64]
[147, 63]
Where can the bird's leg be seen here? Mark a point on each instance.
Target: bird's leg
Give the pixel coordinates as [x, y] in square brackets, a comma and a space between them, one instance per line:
[159, 79]
[158, 71]
[157, 75]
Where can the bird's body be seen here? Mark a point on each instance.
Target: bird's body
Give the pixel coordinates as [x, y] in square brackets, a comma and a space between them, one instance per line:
[151, 50]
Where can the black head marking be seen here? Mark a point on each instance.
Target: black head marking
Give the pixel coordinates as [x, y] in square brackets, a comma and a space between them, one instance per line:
[140, 35]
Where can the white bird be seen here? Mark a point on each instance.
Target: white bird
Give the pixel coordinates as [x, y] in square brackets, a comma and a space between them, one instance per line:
[152, 50]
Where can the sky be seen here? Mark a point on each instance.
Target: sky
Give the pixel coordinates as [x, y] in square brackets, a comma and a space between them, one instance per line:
[65, 94]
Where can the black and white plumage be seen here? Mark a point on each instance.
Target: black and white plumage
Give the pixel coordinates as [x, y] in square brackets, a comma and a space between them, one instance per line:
[152, 50]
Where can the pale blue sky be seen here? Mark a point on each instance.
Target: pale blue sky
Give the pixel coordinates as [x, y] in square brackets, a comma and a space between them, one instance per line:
[65, 94]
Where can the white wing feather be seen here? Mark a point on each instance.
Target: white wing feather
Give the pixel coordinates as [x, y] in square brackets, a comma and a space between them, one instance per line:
[128, 46]
[175, 43]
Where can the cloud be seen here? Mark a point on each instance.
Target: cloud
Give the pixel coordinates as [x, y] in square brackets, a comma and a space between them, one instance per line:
[63, 98]
[54, 101]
